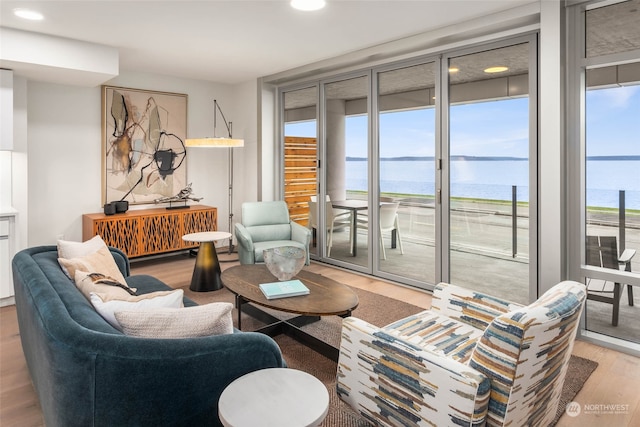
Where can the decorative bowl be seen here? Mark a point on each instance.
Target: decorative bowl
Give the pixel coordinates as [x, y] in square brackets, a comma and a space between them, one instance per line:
[284, 262]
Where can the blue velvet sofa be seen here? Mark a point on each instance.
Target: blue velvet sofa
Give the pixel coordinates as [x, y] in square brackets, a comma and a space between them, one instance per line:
[87, 373]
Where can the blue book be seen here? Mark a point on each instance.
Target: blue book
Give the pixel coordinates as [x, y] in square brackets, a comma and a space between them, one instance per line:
[289, 288]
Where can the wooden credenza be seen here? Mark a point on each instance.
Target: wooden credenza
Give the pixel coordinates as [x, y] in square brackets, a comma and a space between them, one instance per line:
[150, 231]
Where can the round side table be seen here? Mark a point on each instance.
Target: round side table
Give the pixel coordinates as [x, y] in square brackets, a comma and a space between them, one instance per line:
[279, 397]
[206, 273]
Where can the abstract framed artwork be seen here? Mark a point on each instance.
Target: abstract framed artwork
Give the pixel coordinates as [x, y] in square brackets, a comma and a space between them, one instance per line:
[143, 151]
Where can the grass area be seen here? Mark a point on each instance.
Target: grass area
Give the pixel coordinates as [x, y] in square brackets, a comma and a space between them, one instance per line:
[363, 195]
[590, 209]
[596, 209]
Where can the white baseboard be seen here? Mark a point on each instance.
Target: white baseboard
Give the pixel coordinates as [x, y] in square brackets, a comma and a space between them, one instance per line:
[7, 301]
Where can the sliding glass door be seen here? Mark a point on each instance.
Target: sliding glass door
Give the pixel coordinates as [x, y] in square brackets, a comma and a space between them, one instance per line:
[489, 171]
[425, 170]
[345, 170]
[406, 172]
[300, 155]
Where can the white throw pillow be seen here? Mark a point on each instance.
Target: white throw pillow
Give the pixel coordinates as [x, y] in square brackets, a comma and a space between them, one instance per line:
[188, 322]
[161, 299]
[100, 261]
[108, 287]
[68, 249]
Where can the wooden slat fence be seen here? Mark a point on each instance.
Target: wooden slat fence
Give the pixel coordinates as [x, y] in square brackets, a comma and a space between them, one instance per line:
[300, 176]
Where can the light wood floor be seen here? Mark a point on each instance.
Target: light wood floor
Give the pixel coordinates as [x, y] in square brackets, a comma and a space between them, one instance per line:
[616, 381]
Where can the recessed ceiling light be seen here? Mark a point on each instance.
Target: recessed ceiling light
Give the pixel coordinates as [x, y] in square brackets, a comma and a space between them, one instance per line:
[32, 15]
[308, 5]
[500, 69]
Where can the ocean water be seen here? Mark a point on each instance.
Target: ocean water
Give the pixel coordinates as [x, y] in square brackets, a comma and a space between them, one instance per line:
[493, 179]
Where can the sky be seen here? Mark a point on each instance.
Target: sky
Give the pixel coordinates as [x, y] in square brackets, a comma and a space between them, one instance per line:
[495, 128]
[613, 121]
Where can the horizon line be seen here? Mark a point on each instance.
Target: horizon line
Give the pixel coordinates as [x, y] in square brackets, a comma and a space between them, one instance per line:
[486, 158]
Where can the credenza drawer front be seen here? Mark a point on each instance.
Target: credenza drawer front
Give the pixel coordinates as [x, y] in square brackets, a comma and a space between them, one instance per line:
[150, 231]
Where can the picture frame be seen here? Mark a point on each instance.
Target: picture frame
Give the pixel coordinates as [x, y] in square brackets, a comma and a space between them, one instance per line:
[143, 149]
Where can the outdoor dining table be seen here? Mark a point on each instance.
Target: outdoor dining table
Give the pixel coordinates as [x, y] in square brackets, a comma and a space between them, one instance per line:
[353, 206]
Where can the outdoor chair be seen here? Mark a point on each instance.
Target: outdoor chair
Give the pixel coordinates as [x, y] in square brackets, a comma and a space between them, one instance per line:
[336, 212]
[334, 221]
[388, 224]
[602, 251]
[469, 360]
[267, 225]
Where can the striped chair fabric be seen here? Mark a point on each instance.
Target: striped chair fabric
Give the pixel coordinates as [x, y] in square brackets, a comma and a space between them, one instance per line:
[471, 359]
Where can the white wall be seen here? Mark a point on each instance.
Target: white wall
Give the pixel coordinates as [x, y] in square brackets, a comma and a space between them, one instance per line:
[245, 181]
[64, 150]
[270, 159]
[64, 159]
[19, 162]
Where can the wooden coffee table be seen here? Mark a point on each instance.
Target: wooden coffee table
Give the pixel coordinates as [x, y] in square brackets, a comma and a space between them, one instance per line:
[326, 298]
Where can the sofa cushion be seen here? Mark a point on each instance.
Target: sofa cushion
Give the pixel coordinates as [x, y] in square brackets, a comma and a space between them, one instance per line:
[439, 334]
[100, 261]
[145, 284]
[188, 322]
[265, 213]
[265, 233]
[160, 299]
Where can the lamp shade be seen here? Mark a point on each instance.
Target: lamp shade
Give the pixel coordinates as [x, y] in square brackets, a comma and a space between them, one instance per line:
[214, 142]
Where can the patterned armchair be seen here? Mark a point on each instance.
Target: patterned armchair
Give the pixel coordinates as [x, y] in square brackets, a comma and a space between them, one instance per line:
[471, 360]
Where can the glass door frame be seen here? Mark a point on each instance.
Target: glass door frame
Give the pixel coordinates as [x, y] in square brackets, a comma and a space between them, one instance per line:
[445, 189]
[322, 158]
[576, 176]
[280, 161]
[375, 132]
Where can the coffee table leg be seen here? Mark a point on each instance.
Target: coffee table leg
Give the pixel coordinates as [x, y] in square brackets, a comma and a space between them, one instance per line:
[293, 328]
[239, 302]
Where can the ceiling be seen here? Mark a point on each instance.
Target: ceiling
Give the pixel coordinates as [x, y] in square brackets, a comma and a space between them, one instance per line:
[237, 41]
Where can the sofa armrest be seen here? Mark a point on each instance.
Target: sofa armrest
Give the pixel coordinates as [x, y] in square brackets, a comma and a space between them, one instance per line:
[395, 382]
[468, 306]
[122, 261]
[245, 242]
[301, 234]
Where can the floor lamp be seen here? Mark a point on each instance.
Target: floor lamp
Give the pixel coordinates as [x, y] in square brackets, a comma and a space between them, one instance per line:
[221, 142]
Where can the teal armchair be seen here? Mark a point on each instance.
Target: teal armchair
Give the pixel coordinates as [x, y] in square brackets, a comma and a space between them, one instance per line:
[267, 225]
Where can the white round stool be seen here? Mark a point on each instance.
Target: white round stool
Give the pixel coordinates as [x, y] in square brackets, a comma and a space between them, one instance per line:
[277, 397]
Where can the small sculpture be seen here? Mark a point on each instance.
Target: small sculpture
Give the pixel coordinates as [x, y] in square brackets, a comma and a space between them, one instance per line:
[182, 196]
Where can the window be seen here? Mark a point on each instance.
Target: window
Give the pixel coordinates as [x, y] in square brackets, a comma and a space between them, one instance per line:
[607, 155]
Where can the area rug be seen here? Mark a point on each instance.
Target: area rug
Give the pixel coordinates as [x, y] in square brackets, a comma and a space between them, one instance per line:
[378, 310]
